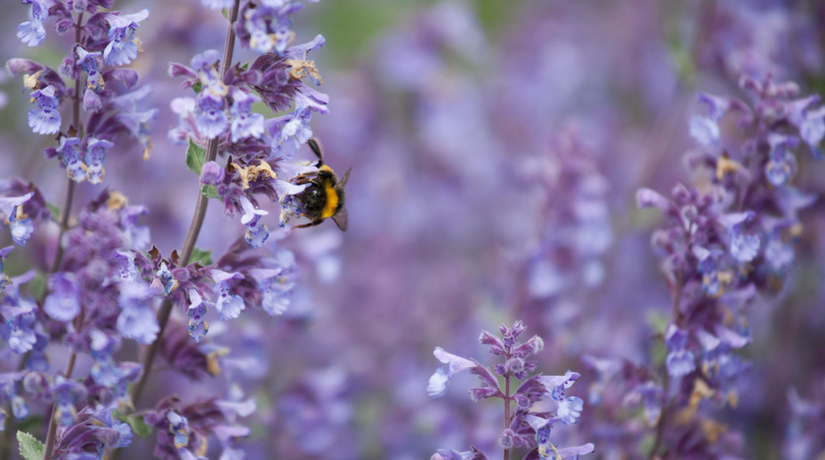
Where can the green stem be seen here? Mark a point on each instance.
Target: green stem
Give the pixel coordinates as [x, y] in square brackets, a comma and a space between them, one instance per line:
[662, 422]
[507, 401]
[194, 226]
[58, 256]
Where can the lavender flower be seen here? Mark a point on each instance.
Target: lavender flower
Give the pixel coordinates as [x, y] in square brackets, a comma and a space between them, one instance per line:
[529, 425]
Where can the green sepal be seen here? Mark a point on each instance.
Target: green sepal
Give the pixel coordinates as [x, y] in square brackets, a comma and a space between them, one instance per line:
[37, 285]
[139, 427]
[210, 191]
[54, 210]
[201, 256]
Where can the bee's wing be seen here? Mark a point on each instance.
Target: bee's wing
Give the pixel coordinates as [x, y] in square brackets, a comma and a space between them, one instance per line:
[340, 219]
[343, 181]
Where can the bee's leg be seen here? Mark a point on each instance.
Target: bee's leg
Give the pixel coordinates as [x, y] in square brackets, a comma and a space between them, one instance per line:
[311, 224]
[300, 180]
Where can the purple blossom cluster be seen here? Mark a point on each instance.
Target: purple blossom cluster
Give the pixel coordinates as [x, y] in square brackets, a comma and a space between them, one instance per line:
[532, 420]
[106, 284]
[104, 42]
[728, 239]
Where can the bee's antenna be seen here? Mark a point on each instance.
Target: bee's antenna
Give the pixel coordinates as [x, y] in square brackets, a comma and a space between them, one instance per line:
[315, 145]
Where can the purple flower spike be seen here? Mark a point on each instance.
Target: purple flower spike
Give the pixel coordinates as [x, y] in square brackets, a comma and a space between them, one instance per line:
[47, 119]
[63, 301]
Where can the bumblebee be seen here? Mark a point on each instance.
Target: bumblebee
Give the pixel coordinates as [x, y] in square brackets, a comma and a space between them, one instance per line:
[325, 196]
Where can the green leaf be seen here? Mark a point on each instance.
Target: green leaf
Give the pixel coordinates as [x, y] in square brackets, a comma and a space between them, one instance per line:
[210, 191]
[54, 210]
[139, 427]
[199, 255]
[30, 447]
[225, 13]
[197, 87]
[195, 157]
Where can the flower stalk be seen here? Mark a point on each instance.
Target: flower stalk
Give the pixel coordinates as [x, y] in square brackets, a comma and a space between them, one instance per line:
[194, 226]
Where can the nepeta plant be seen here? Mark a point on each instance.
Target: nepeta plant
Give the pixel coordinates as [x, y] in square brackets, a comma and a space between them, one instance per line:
[530, 410]
[726, 241]
[107, 283]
